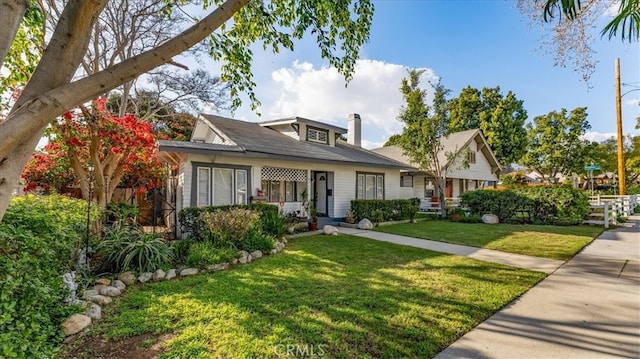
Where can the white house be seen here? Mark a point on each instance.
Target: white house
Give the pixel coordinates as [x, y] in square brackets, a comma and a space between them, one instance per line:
[235, 162]
[482, 169]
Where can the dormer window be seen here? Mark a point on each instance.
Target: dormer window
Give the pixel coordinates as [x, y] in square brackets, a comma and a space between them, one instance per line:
[317, 135]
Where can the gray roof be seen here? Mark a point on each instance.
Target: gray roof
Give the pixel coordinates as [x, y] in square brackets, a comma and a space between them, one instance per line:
[453, 143]
[253, 140]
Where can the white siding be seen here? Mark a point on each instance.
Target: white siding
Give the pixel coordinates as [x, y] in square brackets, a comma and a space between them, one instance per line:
[481, 170]
[344, 179]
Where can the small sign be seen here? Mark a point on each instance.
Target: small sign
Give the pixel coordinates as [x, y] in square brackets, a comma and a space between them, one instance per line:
[592, 168]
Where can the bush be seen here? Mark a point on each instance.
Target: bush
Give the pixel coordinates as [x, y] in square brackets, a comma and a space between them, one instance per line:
[504, 204]
[38, 236]
[392, 210]
[559, 205]
[204, 254]
[128, 248]
[272, 223]
[230, 227]
[192, 223]
[256, 240]
[474, 218]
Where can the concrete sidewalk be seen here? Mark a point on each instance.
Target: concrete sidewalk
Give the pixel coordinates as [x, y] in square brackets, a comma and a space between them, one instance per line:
[588, 308]
[488, 255]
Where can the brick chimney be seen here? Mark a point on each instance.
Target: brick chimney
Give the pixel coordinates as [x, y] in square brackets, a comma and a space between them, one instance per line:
[354, 129]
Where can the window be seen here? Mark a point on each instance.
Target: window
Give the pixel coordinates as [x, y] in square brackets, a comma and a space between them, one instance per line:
[472, 157]
[287, 191]
[315, 135]
[204, 187]
[406, 181]
[217, 186]
[369, 186]
[283, 184]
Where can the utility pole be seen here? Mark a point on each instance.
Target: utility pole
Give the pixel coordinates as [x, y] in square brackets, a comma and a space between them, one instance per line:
[621, 175]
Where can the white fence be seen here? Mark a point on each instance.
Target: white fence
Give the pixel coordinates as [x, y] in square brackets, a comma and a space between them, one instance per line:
[429, 206]
[606, 209]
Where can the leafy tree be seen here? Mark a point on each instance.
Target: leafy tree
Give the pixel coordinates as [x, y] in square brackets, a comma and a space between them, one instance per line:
[424, 126]
[556, 145]
[122, 150]
[501, 119]
[394, 140]
[340, 29]
[605, 154]
[571, 24]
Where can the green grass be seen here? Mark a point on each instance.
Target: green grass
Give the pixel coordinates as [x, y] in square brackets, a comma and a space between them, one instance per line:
[350, 297]
[557, 242]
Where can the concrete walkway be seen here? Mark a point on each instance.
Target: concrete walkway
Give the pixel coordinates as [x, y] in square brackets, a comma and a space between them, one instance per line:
[488, 255]
[588, 308]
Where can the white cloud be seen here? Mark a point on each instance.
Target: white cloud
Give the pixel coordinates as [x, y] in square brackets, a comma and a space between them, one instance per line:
[594, 136]
[319, 93]
[613, 9]
[372, 144]
[632, 102]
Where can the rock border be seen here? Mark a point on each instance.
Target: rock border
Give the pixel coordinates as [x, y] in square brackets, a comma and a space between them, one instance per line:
[104, 289]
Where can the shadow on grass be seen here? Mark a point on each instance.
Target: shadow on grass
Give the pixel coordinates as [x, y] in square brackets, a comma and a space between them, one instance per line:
[346, 296]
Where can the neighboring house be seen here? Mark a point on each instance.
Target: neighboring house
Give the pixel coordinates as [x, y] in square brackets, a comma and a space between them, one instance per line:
[482, 171]
[235, 162]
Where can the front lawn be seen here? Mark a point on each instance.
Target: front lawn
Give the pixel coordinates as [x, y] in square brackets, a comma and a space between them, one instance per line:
[557, 242]
[339, 296]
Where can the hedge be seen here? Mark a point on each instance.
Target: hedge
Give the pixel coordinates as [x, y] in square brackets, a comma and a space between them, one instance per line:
[38, 236]
[560, 205]
[385, 210]
[194, 226]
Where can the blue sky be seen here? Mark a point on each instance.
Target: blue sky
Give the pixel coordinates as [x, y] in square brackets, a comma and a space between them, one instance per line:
[477, 43]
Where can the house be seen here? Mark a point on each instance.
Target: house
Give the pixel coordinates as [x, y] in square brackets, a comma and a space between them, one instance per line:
[482, 171]
[281, 162]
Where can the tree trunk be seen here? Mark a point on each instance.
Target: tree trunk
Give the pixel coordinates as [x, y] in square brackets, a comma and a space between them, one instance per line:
[11, 14]
[441, 184]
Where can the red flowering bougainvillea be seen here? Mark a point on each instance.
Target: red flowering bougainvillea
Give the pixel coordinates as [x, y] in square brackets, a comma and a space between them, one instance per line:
[121, 149]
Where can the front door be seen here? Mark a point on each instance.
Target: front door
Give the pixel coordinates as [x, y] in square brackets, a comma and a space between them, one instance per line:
[448, 190]
[320, 199]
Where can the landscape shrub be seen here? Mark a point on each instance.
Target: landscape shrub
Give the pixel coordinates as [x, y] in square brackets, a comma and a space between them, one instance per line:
[38, 236]
[504, 204]
[193, 225]
[230, 227]
[392, 210]
[561, 205]
[204, 254]
[474, 218]
[257, 240]
[129, 248]
[274, 224]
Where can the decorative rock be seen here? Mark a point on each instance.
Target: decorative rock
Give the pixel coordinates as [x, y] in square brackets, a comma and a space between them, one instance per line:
[284, 240]
[330, 230]
[94, 311]
[218, 267]
[234, 261]
[170, 274]
[189, 271]
[256, 254]
[158, 275]
[110, 291]
[103, 281]
[145, 277]
[365, 224]
[274, 251]
[99, 286]
[490, 219]
[119, 284]
[69, 281]
[127, 278]
[89, 293]
[75, 324]
[244, 257]
[279, 247]
[101, 299]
